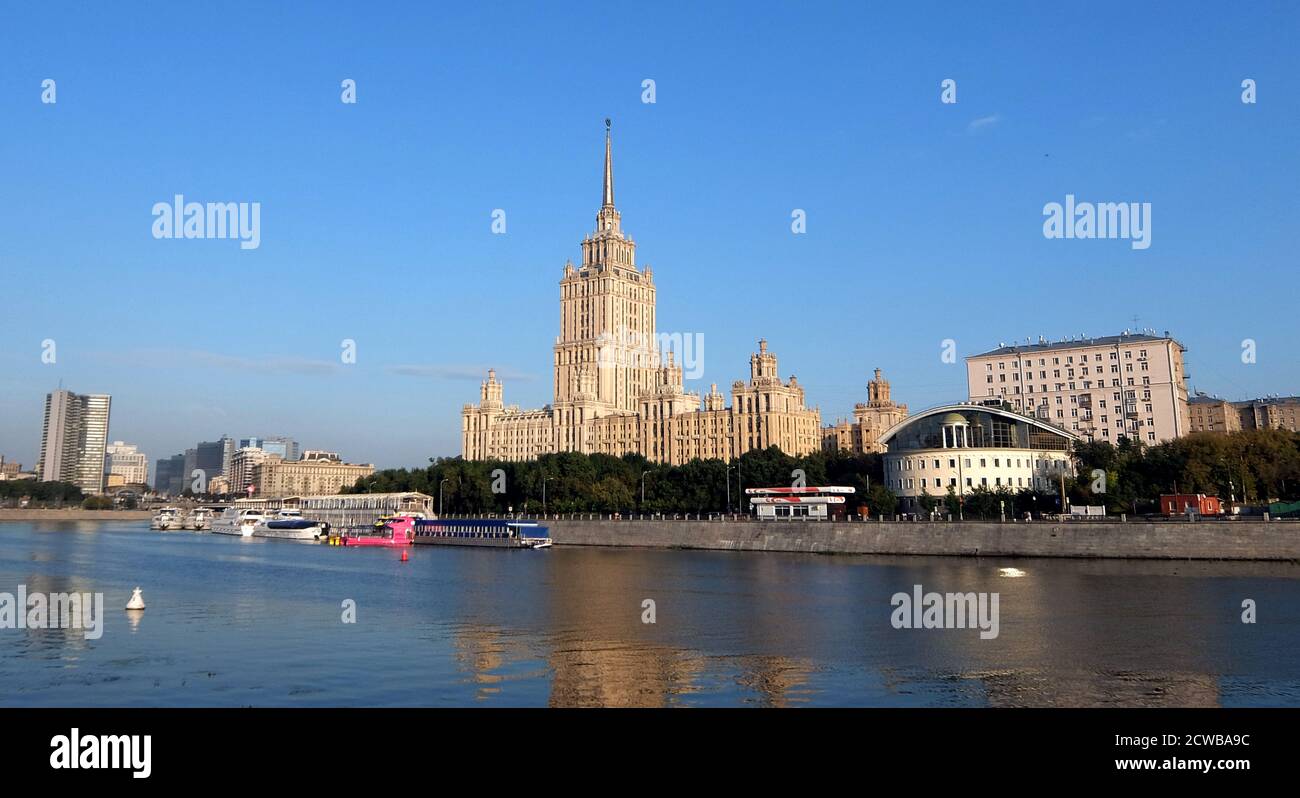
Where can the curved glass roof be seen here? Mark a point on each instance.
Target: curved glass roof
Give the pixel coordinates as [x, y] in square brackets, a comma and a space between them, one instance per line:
[986, 428]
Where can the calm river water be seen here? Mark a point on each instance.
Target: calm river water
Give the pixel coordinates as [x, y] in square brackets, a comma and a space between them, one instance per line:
[234, 622]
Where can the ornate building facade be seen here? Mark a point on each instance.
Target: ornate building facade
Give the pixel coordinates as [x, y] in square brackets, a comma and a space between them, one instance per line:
[870, 421]
[615, 394]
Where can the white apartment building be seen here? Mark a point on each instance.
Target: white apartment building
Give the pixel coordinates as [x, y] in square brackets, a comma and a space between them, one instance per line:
[1130, 385]
[126, 461]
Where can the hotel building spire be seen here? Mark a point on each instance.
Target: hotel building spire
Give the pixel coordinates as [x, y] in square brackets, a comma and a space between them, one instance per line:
[608, 201]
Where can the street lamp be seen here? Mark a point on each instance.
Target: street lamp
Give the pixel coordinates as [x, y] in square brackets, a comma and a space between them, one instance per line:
[727, 479]
[544, 495]
[445, 480]
[643, 473]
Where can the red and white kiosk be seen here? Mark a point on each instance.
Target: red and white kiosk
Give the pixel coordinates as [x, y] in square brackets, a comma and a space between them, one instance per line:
[784, 503]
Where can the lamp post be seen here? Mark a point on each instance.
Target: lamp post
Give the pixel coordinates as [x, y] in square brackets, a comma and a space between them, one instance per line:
[444, 481]
[643, 473]
[727, 479]
[544, 495]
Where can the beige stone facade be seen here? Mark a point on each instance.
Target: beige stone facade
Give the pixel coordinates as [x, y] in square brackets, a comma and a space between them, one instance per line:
[317, 473]
[1212, 414]
[870, 421]
[615, 394]
[1131, 385]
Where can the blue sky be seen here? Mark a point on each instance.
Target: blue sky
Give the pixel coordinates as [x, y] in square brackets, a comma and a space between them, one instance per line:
[924, 220]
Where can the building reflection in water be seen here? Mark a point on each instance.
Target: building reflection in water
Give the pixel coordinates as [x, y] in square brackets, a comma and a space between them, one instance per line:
[772, 631]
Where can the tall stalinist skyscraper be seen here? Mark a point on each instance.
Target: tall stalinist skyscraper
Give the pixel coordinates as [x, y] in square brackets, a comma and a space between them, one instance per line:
[615, 393]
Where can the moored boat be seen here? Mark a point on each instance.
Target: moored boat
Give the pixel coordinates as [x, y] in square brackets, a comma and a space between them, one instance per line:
[168, 518]
[389, 530]
[200, 519]
[289, 524]
[492, 532]
[237, 522]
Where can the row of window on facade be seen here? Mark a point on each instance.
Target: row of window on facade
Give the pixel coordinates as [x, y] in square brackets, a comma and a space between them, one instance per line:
[1073, 386]
[1035, 482]
[1056, 373]
[1056, 361]
[905, 464]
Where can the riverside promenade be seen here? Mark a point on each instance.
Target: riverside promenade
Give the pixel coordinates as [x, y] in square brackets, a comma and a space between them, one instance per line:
[1164, 540]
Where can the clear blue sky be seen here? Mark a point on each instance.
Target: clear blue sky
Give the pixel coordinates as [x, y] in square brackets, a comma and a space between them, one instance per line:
[924, 219]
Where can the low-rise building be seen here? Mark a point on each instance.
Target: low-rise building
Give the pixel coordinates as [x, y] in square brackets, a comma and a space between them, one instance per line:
[316, 473]
[967, 446]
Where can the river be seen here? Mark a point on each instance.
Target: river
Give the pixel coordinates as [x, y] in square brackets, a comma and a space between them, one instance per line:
[250, 622]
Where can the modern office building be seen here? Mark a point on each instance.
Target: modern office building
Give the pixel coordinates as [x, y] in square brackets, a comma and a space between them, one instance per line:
[970, 446]
[169, 475]
[126, 462]
[205, 461]
[870, 421]
[615, 394]
[282, 447]
[316, 473]
[74, 439]
[1130, 385]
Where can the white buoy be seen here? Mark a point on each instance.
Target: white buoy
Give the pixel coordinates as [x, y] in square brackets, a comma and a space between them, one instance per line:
[136, 602]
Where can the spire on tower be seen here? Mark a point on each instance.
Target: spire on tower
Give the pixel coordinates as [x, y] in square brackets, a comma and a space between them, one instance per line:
[608, 200]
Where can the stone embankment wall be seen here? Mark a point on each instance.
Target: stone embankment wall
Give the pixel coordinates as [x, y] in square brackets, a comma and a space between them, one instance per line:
[1200, 540]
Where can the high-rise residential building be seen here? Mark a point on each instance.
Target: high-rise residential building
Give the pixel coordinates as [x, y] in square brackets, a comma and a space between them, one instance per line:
[615, 394]
[74, 438]
[126, 461]
[169, 475]
[243, 462]
[315, 474]
[228, 447]
[870, 421]
[1131, 385]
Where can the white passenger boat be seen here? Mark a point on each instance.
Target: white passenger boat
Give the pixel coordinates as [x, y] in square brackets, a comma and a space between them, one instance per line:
[168, 518]
[289, 524]
[237, 522]
[200, 519]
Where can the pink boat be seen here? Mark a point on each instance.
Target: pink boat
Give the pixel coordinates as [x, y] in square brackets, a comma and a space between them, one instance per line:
[389, 530]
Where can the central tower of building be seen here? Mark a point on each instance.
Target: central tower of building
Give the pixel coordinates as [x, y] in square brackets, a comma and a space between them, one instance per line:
[606, 354]
[613, 395]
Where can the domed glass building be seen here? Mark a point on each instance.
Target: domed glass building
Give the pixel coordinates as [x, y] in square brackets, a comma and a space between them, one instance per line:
[968, 446]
